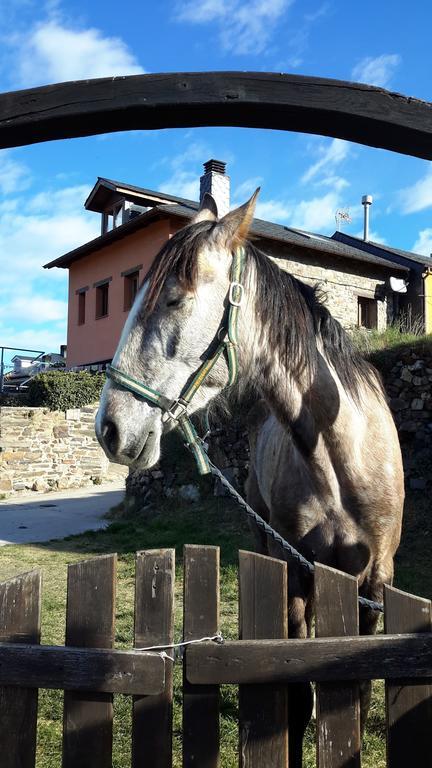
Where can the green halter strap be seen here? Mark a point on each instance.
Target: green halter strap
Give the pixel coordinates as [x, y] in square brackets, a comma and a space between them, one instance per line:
[228, 341]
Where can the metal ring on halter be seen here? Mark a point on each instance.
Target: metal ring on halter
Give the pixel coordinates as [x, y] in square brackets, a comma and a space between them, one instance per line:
[233, 287]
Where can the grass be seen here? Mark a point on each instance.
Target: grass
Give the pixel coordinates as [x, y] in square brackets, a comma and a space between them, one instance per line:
[392, 339]
[214, 521]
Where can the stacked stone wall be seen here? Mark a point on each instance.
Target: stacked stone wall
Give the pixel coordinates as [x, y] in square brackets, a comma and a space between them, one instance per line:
[42, 450]
[408, 382]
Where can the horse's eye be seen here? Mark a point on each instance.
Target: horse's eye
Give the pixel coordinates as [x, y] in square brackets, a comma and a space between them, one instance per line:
[174, 302]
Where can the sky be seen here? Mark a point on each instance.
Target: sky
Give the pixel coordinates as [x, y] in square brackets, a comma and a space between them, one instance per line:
[304, 179]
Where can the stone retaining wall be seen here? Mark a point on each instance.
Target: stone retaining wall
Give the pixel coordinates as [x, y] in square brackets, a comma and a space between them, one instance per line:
[408, 382]
[43, 450]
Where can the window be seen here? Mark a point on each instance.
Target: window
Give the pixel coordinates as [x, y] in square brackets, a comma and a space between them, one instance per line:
[102, 300]
[113, 217]
[131, 284]
[367, 312]
[81, 307]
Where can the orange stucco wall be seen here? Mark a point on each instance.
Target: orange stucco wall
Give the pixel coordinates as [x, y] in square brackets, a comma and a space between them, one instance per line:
[96, 340]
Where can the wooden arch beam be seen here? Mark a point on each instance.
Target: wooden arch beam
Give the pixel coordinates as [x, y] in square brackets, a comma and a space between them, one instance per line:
[344, 110]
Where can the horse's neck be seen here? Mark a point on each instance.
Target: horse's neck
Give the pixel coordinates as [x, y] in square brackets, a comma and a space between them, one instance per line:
[308, 403]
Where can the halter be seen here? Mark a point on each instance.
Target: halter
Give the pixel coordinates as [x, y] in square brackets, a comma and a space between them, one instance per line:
[227, 336]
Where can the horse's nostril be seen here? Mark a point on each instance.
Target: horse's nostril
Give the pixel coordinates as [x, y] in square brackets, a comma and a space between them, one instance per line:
[110, 436]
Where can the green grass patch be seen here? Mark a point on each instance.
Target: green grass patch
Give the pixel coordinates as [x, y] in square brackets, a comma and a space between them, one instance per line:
[214, 521]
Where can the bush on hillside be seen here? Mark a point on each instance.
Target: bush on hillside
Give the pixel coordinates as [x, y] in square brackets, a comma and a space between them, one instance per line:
[59, 390]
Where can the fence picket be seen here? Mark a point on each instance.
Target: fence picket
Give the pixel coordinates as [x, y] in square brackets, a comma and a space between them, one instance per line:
[201, 618]
[87, 717]
[338, 704]
[19, 623]
[154, 625]
[408, 705]
[263, 710]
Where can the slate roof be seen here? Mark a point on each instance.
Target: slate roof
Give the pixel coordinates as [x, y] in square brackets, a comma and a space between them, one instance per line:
[184, 209]
[372, 247]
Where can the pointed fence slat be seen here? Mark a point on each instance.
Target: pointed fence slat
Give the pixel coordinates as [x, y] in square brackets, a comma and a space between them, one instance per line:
[263, 709]
[154, 625]
[88, 717]
[408, 704]
[338, 704]
[19, 623]
[201, 618]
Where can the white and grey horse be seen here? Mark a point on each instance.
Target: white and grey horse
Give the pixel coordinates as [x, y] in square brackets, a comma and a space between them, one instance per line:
[326, 467]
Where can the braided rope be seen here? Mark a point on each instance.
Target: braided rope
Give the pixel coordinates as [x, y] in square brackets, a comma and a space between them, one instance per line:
[291, 551]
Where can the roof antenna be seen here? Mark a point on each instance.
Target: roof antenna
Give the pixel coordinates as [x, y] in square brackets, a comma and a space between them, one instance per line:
[342, 215]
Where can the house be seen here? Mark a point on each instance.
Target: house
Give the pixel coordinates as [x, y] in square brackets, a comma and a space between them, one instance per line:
[104, 274]
[21, 363]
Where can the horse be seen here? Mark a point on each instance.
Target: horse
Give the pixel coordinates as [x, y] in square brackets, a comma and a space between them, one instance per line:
[326, 469]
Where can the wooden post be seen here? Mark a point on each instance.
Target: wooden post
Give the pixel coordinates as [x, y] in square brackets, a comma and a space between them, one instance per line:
[408, 706]
[201, 619]
[154, 625]
[19, 623]
[263, 614]
[87, 717]
[338, 704]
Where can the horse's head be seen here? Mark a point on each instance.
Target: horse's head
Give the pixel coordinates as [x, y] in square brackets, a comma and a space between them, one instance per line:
[172, 328]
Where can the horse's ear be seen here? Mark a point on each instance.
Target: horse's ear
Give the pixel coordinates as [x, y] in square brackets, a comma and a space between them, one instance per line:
[234, 226]
[207, 211]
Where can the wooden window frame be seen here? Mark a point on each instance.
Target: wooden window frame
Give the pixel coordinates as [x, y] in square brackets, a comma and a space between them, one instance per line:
[129, 276]
[367, 309]
[102, 298]
[81, 307]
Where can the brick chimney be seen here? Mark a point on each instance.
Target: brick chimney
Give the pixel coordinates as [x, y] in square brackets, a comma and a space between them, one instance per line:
[216, 183]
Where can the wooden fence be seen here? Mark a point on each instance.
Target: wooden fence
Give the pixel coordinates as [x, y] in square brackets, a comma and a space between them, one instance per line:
[262, 663]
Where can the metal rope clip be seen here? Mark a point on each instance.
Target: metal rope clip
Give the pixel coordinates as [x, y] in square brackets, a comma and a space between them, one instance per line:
[234, 286]
[177, 409]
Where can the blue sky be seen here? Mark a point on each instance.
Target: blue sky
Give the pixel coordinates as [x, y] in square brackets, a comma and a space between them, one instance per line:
[304, 179]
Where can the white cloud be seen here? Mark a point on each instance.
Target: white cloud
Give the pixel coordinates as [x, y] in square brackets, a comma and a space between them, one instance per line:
[274, 210]
[35, 309]
[374, 236]
[330, 155]
[337, 183]
[244, 27]
[418, 197]
[33, 231]
[54, 52]
[423, 244]
[185, 171]
[244, 190]
[376, 71]
[316, 214]
[14, 175]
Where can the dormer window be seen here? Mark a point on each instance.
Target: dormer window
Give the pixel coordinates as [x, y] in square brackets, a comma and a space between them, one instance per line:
[113, 218]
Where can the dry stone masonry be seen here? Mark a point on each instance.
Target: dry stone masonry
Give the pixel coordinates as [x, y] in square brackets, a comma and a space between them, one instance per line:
[42, 450]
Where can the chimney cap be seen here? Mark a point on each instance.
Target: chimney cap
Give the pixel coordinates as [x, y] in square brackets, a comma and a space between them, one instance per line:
[367, 200]
[215, 166]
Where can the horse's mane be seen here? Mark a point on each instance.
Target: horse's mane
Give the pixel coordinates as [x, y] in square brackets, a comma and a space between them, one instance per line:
[293, 314]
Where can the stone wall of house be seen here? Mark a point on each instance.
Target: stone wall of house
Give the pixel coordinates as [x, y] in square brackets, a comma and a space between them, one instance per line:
[408, 382]
[42, 450]
[342, 282]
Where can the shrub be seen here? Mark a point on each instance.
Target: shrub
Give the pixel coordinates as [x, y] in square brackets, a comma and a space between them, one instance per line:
[59, 390]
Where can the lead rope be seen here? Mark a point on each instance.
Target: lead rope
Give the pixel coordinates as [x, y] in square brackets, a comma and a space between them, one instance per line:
[291, 551]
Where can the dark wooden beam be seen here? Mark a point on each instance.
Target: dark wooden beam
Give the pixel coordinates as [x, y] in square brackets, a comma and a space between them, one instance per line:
[81, 669]
[352, 111]
[319, 660]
